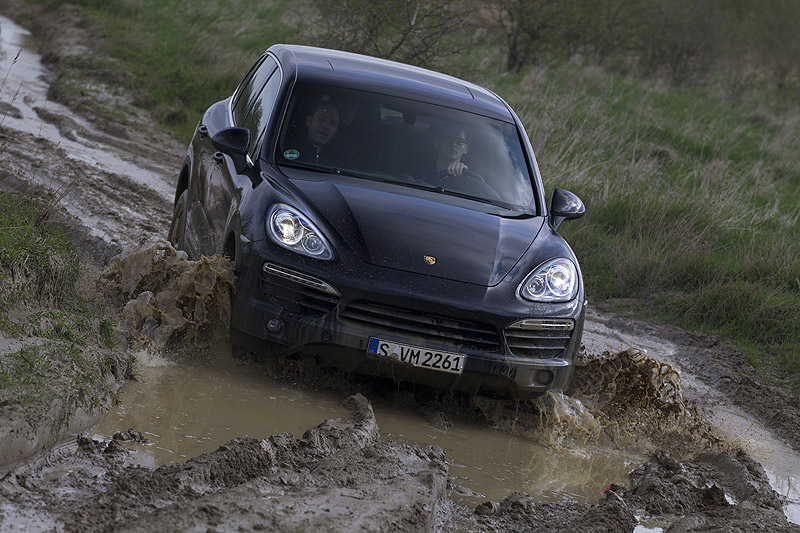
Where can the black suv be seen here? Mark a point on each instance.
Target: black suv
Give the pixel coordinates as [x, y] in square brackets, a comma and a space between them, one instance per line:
[384, 219]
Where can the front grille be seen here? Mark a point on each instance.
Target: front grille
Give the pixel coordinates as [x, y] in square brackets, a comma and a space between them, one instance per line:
[468, 335]
[296, 292]
[539, 338]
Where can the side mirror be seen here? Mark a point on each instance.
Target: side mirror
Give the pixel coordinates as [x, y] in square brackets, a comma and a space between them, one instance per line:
[234, 142]
[565, 205]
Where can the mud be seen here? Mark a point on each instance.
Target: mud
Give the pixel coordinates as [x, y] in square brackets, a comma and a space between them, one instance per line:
[345, 476]
[174, 299]
[339, 476]
[663, 398]
[116, 187]
[715, 492]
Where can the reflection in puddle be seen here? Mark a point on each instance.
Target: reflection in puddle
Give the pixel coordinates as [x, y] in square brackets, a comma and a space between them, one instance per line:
[188, 410]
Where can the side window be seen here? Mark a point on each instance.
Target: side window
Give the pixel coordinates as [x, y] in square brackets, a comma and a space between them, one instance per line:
[259, 115]
[247, 81]
[251, 89]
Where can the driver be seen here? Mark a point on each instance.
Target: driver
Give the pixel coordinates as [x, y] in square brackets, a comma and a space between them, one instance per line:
[450, 145]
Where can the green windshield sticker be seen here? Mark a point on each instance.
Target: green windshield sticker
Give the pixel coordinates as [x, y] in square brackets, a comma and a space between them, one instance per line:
[291, 154]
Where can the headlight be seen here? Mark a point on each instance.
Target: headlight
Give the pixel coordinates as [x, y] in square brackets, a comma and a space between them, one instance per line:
[553, 281]
[287, 227]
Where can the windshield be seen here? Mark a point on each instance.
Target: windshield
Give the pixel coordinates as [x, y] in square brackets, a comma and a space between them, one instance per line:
[421, 145]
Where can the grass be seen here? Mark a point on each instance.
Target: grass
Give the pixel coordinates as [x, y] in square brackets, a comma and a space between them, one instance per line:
[692, 204]
[693, 196]
[37, 258]
[41, 305]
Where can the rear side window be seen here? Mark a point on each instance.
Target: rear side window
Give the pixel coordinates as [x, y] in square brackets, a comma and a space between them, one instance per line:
[251, 88]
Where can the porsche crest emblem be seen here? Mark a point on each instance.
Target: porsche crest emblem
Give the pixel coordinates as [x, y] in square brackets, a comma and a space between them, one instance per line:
[430, 259]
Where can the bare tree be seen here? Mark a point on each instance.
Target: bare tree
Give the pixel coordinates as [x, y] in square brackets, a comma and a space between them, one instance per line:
[522, 25]
[682, 39]
[602, 27]
[418, 32]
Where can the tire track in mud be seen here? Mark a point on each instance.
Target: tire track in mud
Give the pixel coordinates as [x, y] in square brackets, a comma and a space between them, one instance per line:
[118, 185]
[110, 206]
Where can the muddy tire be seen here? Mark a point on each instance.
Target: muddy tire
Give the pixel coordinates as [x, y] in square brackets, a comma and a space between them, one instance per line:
[177, 228]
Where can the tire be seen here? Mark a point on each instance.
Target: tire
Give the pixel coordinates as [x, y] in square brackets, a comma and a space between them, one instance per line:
[177, 229]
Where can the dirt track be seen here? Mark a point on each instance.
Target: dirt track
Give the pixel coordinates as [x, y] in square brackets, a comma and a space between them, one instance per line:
[116, 182]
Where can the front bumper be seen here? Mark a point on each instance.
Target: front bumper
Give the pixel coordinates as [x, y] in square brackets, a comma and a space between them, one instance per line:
[512, 348]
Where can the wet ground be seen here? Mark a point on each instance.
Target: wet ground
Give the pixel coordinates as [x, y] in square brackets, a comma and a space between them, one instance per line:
[209, 447]
[186, 409]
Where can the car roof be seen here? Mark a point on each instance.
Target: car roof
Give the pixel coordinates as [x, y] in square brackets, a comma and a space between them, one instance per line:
[333, 67]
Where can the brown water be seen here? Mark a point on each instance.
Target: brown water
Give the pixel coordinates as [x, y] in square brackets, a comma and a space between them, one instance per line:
[189, 409]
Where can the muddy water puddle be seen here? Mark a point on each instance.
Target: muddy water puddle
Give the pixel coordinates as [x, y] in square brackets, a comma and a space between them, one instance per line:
[625, 405]
[186, 410]
[491, 463]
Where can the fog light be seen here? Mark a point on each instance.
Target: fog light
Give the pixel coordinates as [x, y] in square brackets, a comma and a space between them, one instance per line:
[274, 325]
[543, 377]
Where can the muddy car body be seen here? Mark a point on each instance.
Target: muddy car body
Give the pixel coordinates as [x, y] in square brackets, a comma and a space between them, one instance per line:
[353, 250]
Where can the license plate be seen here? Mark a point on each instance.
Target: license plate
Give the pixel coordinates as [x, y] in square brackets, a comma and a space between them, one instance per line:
[417, 356]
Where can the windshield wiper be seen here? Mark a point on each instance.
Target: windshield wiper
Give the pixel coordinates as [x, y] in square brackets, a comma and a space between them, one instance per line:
[433, 188]
[464, 195]
[331, 170]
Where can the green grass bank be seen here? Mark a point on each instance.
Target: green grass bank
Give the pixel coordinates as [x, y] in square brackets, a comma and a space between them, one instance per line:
[692, 190]
[56, 344]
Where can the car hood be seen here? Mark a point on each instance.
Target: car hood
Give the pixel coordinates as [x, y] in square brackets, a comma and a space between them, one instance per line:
[410, 230]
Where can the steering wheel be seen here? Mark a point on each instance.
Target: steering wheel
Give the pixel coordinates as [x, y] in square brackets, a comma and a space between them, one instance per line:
[466, 172]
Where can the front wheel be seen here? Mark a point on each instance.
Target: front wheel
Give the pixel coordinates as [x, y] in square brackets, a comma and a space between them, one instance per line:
[177, 230]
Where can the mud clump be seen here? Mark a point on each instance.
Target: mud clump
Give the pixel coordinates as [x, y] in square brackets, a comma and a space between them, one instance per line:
[339, 476]
[174, 299]
[716, 489]
[518, 512]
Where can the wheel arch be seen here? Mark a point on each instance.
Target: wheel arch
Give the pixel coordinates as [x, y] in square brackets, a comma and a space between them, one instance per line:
[183, 181]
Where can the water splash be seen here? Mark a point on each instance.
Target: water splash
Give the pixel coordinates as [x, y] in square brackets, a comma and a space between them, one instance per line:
[639, 402]
[174, 299]
[624, 400]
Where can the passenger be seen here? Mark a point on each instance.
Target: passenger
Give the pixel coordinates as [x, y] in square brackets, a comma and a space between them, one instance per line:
[315, 146]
